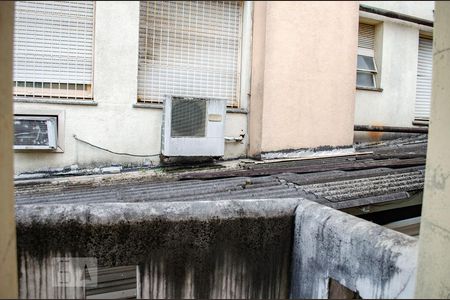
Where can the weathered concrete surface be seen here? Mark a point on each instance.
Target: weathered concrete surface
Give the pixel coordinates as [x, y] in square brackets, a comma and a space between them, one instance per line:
[203, 249]
[367, 258]
[38, 279]
[218, 249]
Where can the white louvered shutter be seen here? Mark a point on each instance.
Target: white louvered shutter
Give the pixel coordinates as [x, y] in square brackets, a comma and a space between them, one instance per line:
[53, 48]
[423, 85]
[366, 36]
[189, 48]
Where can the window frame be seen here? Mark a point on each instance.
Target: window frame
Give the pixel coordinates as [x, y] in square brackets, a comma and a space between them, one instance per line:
[44, 94]
[60, 127]
[243, 64]
[368, 53]
[52, 135]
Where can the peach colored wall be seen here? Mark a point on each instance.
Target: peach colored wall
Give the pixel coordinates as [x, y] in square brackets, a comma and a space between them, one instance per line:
[308, 77]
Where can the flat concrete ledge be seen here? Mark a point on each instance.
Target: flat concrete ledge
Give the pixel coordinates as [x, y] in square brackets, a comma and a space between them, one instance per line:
[56, 101]
[111, 213]
[374, 261]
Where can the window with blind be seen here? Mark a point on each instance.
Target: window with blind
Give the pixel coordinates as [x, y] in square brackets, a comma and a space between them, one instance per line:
[424, 74]
[189, 48]
[366, 66]
[53, 49]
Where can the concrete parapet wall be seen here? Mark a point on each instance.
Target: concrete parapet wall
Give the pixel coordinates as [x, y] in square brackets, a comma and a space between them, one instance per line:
[369, 259]
[203, 249]
[218, 249]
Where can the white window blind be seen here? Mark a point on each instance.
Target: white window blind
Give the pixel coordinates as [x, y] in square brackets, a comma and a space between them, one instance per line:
[189, 48]
[366, 67]
[424, 74]
[53, 46]
[366, 36]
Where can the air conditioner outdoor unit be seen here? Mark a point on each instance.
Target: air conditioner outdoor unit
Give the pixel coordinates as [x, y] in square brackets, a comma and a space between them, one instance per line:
[193, 127]
[35, 132]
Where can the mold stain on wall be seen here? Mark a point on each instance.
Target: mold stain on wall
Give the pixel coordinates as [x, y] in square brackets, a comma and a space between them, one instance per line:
[245, 257]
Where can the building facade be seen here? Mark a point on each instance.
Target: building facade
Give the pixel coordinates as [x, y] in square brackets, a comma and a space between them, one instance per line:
[402, 50]
[295, 74]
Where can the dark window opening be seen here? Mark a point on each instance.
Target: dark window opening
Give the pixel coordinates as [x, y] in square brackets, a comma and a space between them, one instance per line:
[338, 291]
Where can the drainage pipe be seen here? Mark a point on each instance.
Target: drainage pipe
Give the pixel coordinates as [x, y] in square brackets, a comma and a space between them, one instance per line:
[391, 129]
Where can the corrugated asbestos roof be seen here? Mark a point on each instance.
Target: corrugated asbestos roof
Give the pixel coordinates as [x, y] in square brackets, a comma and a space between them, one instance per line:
[343, 180]
[365, 187]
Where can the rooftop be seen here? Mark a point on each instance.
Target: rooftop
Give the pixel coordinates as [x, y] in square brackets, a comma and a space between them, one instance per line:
[178, 217]
[373, 173]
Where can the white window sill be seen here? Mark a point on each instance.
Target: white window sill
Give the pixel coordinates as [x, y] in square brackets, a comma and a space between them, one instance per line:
[160, 106]
[363, 88]
[421, 122]
[148, 105]
[55, 101]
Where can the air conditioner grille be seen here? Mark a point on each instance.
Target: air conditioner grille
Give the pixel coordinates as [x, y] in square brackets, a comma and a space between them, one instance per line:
[188, 118]
[31, 132]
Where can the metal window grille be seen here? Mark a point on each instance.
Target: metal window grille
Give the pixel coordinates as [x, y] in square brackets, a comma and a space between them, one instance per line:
[189, 48]
[424, 75]
[53, 49]
[366, 36]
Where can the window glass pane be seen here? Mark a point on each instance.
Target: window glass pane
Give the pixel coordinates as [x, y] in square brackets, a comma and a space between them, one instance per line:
[366, 63]
[365, 79]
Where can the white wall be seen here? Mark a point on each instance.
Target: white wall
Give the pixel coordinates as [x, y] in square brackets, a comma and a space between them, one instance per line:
[418, 9]
[397, 63]
[396, 51]
[114, 123]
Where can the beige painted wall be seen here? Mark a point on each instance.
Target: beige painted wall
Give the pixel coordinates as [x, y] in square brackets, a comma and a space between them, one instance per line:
[114, 123]
[8, 258]
[434, 242]
[308, 81]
